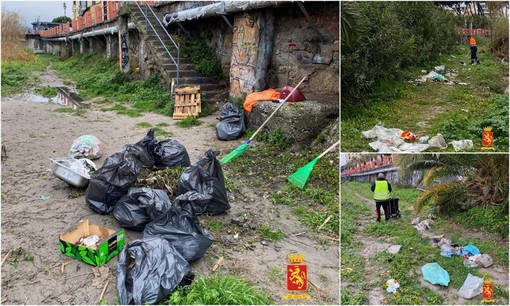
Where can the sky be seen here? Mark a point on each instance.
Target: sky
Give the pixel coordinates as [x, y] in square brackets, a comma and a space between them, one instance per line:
[29, 11]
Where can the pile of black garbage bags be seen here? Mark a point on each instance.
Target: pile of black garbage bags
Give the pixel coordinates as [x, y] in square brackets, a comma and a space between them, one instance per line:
[152, 267]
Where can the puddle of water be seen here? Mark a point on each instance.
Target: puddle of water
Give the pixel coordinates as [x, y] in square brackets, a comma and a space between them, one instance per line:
[40, 99]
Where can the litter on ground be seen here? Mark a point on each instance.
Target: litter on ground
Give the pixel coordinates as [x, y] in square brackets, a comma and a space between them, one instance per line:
[392, 285]
[472, 287]
[435, 274]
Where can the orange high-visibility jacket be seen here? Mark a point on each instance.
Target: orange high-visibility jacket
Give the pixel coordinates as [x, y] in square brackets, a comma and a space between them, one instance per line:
[472, 41]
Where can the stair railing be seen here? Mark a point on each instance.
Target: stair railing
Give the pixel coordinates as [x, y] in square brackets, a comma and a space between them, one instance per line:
[176, 45]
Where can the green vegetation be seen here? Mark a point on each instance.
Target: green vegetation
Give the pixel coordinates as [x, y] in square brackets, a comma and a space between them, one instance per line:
[385, 37]
[312, 205]
[484, 185]
[48, 92]
[77, 112]
[203, 58]
[219, 290]
[144, 124]
[359, 229]
[96, 76]
[160, 133]
[457, 112]
[17, 74]
[189, 122]
[385, 47]
[276, 137]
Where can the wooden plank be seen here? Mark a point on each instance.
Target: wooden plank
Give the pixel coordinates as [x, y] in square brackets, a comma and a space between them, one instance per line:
[187, 90]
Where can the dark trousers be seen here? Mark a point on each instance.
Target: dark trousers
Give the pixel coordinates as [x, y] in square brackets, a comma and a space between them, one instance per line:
[386, 208]
[474, 57]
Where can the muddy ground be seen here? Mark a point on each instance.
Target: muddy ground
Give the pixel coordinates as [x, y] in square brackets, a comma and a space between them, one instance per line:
[37, 206]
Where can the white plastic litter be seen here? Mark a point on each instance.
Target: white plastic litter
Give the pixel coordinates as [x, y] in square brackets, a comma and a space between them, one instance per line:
[388, 140]
[472, 287]
[440, 69]
[438, 142]
[86, 146]
[84, 167]
[462, 145]
[470, 261]
[392, 285]
[484, 260]
[394, 249]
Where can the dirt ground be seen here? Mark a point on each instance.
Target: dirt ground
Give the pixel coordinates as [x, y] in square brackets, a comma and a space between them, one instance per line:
[37, 206]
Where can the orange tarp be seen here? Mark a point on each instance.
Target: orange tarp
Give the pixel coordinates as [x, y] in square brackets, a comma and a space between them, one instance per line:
[256, 97]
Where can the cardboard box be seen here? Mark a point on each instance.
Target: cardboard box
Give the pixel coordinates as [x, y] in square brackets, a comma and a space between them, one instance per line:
[97, 255]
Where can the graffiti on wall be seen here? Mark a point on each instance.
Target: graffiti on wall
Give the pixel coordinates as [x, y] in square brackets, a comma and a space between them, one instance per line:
[245, 43]
[124, 50]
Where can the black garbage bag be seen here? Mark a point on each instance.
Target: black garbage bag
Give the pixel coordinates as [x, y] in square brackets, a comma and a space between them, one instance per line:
[206, 177]
[197, 200]
[171, 153]
[231, 125]
[140, 206]
[113, 180]
[144, 149]
[157, 270]
[181, 228]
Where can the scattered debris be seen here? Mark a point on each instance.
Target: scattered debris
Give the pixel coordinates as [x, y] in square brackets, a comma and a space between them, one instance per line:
[389, 140]
[63, 266]
[415, 221]
[103, 292]
[438, 141]
[462, 145]
[44, 197]
[394, 249]
[392, 285]
[325, 221]
[86, 146]
[433, 273]
[217, 264]
[101, 274]
[6, 257]
[424, 225]
[470, 262]
[472, 287]
[484, 260]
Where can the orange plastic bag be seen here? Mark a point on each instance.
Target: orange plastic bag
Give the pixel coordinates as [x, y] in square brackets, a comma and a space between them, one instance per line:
[254, 98]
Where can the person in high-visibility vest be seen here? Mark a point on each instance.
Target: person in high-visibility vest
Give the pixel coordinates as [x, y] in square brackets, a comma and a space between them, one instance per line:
[382, 195]
[474, 49]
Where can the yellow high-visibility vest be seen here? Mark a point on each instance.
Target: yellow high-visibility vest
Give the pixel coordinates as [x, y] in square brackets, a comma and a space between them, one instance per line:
[381, 191]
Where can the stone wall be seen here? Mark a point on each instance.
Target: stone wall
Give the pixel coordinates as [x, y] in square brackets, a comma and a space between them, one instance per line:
[310, 56]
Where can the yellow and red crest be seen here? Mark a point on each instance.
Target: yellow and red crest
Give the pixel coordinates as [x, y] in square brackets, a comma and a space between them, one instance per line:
[297, 273]
[487, 139]
[487, 291]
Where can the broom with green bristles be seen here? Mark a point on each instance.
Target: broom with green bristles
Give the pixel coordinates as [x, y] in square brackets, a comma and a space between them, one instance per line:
[239, 150]
[300, 177]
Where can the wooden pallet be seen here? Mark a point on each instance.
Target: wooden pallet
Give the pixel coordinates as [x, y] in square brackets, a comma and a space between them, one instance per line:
[187, 102]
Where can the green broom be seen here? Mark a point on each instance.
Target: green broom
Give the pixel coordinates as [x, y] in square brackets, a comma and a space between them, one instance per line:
[239, 150]
[300, 177]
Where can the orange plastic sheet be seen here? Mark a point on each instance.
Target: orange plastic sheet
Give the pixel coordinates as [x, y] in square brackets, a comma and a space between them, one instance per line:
[254, 98]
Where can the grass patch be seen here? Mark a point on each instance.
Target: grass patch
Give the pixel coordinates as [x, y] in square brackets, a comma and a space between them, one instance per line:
[47, 92]
[96, 77]
[123, 110]
[144, 124]
[77, 112]
[219, 289]
[159, 132]
[264, 165]
[456, 111]
[189, 122]
[17, 74]
[162, 124]
[266, 232]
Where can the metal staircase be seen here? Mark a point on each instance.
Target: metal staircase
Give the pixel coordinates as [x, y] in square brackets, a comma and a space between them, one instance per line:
[175, 67]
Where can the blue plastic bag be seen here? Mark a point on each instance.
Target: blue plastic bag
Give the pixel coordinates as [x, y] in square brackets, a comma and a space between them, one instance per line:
[433, 273]
[472, 249]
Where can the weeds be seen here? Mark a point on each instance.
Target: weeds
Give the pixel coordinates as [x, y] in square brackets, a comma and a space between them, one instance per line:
[48, 92]
[219, 290]
[144, 124]
[268, 233]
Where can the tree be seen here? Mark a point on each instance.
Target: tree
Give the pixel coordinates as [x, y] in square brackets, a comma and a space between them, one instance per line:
[459, 181]
[61, 19]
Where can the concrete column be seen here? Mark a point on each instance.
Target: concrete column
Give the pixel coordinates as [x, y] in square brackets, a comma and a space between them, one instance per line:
[142, 55]
[123, 45]
[251, 52]
[82, 46]
[109, 47]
